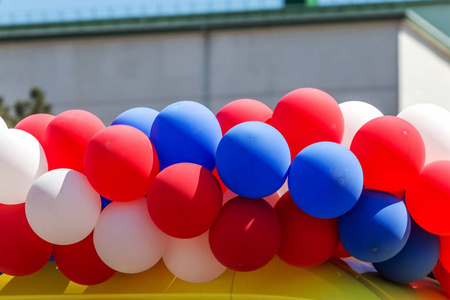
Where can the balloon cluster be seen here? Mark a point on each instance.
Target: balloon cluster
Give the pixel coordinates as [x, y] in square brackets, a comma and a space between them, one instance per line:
[307, 181]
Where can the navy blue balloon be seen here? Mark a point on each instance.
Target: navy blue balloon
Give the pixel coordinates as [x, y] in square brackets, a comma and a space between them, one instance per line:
[139, 117]
[186, 131]
[105, 202]
[325, 180]
[376, 228]
[416, 260]
[253, 159]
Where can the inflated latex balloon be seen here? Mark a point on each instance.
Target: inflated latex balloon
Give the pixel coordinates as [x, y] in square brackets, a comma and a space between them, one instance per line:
[62, 207]
[192, 260]
[80, 262]
[22, 252]
[186, 131]
[126, 239]
[139, 117]
[120, 163]
[444, 257]
[22, 161]
[391, 152]
[306, 241]
[246, 234]
[356, 114]
[306, 116]
[325, 180]
[433, 124]
[3, 125]
[184, 200]
[416, 259]
[253, 159]
[376, 228]
[443, 276]
[428, 199]
[271, 199]
[67, 136]
[341, 252]
[242, 110]
[36, 125]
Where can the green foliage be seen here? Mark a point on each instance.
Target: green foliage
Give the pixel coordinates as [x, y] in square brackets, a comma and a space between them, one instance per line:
[23, 108]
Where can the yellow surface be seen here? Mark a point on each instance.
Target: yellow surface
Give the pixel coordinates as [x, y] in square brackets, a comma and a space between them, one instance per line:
[335, 279]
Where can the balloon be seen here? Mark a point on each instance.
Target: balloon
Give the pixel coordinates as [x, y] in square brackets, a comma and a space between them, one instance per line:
[120, 163]
[126, 239]
[428, 199]
[105, 202]
[184, 200]
[356, 114]
[246, 234]
[307, 116]
[186, 131]
[139, 117]
[391, 153]
[325, 180]
[192, 260]
[22, 252]
[36, 125]
[253, 159]
[415, 261]
[341, 252]
[376, 228]
[222, 186]
[22, 160]
[444, 257]
[433, 124]
[62, 207]
[443, 276]
[3, 125]
[306, 241]
[80, 262]
[240, 111]
[67, 136]
[271, 199]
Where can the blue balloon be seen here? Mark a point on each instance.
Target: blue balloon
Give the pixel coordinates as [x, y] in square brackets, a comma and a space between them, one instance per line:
[253, 159]
[416, 260]
[325, 180]
[186, 131]
[139, 117]
[376, 228]
[105, 202]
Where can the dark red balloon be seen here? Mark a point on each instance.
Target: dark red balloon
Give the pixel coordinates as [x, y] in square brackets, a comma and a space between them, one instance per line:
[22, 252]
[120, 163]
[340, 251]
[67, 136]
[80, 262]
[36, 125]
[306, 241]
[184, 200]
[391, 152]
[242, 110]
[443, 276]
[246, 234]
[428, 199]
[306, 116]
[222, 185]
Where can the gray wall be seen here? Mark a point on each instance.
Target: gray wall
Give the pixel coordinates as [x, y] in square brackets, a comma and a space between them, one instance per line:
[106, 75]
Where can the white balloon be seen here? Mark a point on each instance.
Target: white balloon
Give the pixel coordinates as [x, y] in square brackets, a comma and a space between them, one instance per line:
[22, 161]
[3, 125]
[126, 239]
[62, 207]
[356, 114]
[433, 124]
[192, 259]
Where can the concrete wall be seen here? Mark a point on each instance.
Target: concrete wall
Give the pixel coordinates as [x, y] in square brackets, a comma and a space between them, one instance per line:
[106, 75]
[424, 70]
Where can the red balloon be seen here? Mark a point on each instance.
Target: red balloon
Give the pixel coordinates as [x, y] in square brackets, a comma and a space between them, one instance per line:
[340, 251]
[391, 152]
[120, 163]
[222, 185]
[184, 200]
[428, 199]
[22, 252]
[67, 136]
[80, 262]
[36, 125]
[306, 241]
[242, 110]
[444, 256]
[246, 234]
[443, 276]
[307, 116]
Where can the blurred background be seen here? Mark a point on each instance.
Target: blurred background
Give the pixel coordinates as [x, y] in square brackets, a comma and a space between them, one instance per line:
[107, 56]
